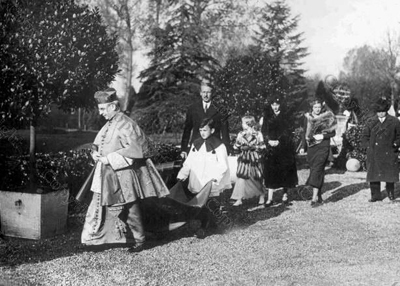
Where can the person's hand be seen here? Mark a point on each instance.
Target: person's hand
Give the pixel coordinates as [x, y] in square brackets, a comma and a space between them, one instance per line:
[318, 137]
[183, 155]
[273, 143]
[95, 155]
[301, 151]
[351, 125]
[245, 148]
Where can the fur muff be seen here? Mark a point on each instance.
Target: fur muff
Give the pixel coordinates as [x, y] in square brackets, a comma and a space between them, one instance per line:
[323, 123]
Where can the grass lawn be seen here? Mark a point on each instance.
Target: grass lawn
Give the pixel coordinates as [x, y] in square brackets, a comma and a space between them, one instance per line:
[346, 241]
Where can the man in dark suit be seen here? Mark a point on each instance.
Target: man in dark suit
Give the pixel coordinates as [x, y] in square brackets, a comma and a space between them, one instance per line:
[197, 112]
[381, 137]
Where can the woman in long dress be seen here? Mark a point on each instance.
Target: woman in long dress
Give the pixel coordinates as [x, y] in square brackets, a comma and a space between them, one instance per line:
[280, 169]
[320, 127]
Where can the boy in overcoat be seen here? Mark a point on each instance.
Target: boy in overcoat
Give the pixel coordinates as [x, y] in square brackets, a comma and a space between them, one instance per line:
[381, 137]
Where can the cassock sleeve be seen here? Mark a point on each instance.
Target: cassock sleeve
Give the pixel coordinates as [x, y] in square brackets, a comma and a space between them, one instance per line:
[187, 165]
[222, 166]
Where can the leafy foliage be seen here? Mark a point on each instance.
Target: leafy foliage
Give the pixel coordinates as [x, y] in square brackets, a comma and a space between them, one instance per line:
[52, 52]
[362, 69]
[271, 67]
[246, 82]
[276, 35]
[351, 148]
[163, 152]
[55, 170]
[69, 169]
[179, 60]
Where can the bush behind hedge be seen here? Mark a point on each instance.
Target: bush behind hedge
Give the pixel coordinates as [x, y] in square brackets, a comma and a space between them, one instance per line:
[55, 171]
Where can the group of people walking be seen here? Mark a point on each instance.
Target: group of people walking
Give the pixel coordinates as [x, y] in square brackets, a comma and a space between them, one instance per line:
[266, 161]
[272, 159]
[266, 151]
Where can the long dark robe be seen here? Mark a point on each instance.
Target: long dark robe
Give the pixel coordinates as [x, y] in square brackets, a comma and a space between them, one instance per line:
[317, 155]
[279, 162]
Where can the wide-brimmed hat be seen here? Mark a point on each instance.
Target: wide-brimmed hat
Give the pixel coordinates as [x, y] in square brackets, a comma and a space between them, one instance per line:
[106, 96]
[382, 105]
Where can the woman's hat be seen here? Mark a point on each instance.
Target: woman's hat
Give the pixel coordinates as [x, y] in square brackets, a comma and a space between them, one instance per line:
[382, 105]
[106, 96]
[275, 99]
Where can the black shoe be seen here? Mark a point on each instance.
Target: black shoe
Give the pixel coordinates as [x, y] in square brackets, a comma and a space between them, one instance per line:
[374, 200]
[200, 233]
[320, 200]
[390, 196]
[269, 203]
[136, 248]
[316, 203]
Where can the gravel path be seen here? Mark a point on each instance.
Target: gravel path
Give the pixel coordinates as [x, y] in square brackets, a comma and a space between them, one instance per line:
[346, 241]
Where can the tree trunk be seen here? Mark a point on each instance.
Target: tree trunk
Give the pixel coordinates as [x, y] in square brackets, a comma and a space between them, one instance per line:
[32, 159]
[129, 72]
[79, 119]
[131, 32]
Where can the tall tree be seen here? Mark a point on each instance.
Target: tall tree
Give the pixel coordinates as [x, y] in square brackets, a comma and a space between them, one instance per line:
[387, 63]
[179, 59]
[362, 75]
[244, 83]
[129, 20]
[51, 53]
[271, 66]
[277, 37]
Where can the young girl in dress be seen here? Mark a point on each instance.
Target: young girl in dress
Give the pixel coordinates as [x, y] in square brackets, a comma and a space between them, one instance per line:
[249, 171]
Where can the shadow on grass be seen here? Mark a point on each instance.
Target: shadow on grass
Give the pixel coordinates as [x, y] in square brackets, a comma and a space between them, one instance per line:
[345, 192]
[16, 251]
[249, 212]
[304, 192]
[331, 171]
[226, 219]
[21, 251]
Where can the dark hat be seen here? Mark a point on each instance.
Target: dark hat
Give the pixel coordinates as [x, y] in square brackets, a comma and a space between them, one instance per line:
[382, 105]
[276, 99]
[106, 96]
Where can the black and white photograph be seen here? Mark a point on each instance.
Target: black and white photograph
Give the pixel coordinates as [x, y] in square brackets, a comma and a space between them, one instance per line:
[199, 142]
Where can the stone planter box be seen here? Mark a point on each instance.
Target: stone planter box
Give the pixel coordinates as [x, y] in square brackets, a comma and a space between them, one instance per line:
[33, 215]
